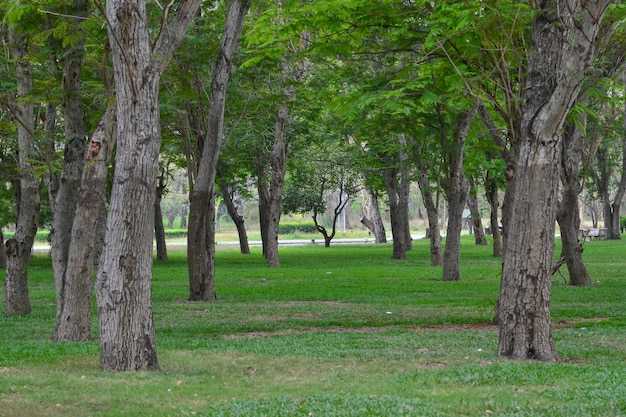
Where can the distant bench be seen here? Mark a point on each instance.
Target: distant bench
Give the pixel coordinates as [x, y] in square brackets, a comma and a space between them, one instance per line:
[594, 232]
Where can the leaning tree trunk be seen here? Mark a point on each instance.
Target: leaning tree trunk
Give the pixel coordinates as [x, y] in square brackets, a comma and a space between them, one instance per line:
[201, 229]
[124, 283]
[19, 247]
[564, 33]
[377, 225]
[73, 320]
[456, 188]
[244, 246]
[568, 213]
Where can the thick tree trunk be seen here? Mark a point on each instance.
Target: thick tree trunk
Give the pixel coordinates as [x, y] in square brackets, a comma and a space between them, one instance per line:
[75, 290]
[456, 188]
[244, 246]
[611, 213]
[124, 283]
[201, 229]
[477, 221]
[67, 193]
[377, 226]
[564, 33]
[568, 213]
[19, 248]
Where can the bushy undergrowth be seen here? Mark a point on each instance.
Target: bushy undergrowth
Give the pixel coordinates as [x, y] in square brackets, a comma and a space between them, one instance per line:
[340, 331]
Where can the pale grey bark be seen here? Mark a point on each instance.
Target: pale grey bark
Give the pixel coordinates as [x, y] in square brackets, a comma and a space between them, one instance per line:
[376, 225]
[201, 229]
[562, 49]
[19, 247]
[75, 290]
[476, 217]
[124, 282]
[455, 187]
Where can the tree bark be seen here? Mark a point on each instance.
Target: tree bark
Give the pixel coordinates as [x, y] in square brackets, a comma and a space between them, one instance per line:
[491, 192]
[274, 188]
[19, 248]
[477, 221]
[562, 48]
[3, 250]
[244, 246]
[201, 226]
[68, 189]
[456, 187]
[124, 283]
[377, 225]
[568, 214]
[75, 289]
[159, 228]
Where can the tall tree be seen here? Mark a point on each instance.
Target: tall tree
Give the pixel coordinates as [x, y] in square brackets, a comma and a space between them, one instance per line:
[123, 289]
[19, 247]
[562, 50]
[201, 229]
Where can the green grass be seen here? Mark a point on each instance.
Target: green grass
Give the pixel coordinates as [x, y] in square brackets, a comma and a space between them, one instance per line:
[344, 331]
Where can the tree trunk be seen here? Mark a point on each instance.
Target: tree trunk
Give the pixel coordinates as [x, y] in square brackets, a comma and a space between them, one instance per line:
[436, 257]
[159, 228]
[19, 248]
[491, 192]
[568, 212]
[477, 221]
[75, 289]
[124, 283]
[278, 168]
[562, 48]
[237, 218]
[611, 219]
[378, 227]
[3, 250]
[397, 184]
[456, 188]
[69, 185]
[201, 229]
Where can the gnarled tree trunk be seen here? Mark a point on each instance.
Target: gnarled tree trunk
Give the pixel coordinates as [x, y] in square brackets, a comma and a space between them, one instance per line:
[19, 247]
[562, 49]
[375, 224]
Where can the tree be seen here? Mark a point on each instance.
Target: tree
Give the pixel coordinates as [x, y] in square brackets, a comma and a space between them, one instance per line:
[123, 287]
[201, 230]
[19, 247]
[562, 50]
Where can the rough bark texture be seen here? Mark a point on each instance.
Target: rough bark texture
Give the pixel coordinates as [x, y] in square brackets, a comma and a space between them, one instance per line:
[201, 228]
[568, 212]
[491, 193]
[74, 295]
[273, 192]
[436, 257]
[231, 207]
[67, 194]
[19, 248]
[477, 221]
[377, 226]
[124, 283]
[456, 187]
[562, 48]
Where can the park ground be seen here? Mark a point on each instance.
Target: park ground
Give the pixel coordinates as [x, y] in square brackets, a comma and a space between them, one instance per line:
[340, 331]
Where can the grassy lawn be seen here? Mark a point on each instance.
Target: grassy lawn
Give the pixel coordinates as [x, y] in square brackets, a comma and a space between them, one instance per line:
[344, 331]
